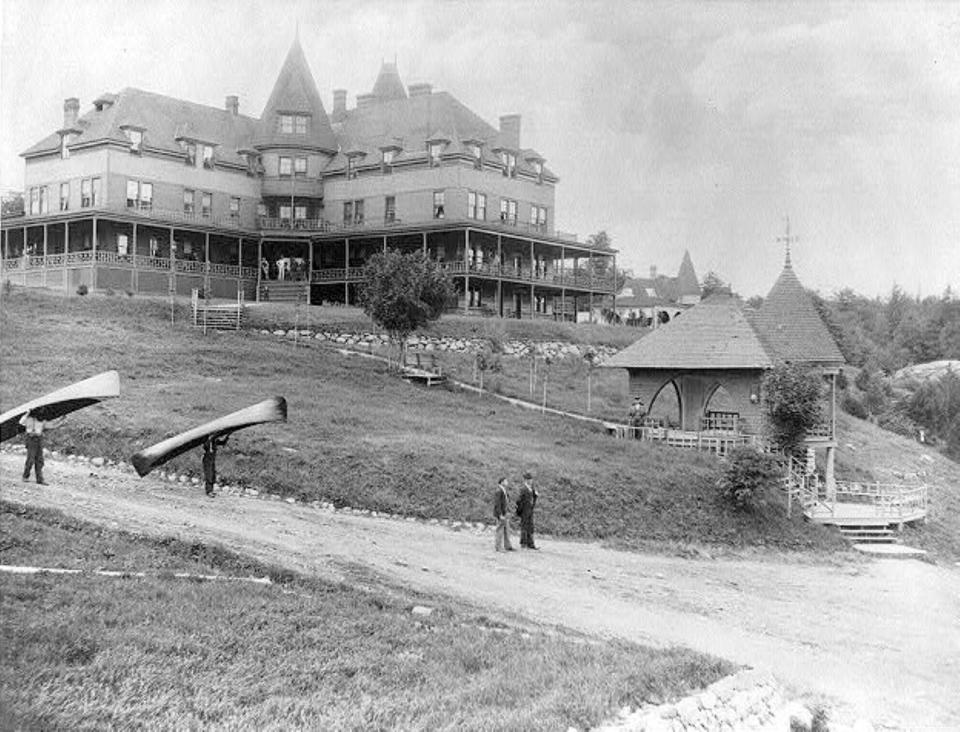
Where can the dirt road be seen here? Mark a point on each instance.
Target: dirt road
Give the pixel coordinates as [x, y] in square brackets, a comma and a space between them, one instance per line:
[878, 639]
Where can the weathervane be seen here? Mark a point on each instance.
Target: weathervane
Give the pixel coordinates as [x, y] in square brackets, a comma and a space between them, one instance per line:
[787, 241]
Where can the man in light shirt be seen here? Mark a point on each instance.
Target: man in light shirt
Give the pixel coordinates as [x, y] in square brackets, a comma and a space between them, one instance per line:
[34, 439]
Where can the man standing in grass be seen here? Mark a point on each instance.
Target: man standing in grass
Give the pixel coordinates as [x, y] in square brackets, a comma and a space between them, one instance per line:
[502, 542]
[525, 506]
[209, 461]
[34, 441]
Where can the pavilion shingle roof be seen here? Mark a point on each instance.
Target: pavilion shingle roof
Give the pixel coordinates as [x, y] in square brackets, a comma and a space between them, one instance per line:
[712, 335]
[790, 326]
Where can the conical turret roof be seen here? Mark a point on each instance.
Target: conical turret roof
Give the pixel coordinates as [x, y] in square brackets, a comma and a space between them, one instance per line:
[295, 92]
[687, 282]
[388, 85]
[790, 326]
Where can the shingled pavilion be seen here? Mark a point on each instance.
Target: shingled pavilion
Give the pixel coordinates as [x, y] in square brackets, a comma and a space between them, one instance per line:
[722, 344]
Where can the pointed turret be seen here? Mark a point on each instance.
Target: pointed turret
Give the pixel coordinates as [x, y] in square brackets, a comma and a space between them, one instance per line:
[388, 85]
[294, 115]
[688, 286]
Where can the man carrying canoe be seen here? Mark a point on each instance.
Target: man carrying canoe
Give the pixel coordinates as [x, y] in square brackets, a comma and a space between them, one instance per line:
[34, 441]
[210, 460]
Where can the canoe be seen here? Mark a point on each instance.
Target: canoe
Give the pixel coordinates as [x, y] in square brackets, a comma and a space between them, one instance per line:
[62, 402]
[269, 410]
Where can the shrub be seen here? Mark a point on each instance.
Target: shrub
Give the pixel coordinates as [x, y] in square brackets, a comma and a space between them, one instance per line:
[792, 401]
[749, 479]
[129, 293]
[852, 405]
[82, 290]
[109, 292]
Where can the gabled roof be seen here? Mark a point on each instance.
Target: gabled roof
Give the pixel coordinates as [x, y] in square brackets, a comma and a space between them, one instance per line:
[163, 120]
[295, 92]
[712, 335]
[388, 85]
[790, 326]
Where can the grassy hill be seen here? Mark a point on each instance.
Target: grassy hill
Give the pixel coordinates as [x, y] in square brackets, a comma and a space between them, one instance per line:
[358, 435]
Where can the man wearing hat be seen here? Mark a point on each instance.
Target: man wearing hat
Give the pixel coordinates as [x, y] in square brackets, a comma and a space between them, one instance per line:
[525, 505]
[502, 541]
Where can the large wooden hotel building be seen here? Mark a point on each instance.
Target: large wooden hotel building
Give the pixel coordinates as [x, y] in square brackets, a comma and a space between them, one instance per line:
[151, 194]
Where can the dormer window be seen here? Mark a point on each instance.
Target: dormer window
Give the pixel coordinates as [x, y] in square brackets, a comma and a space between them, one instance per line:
[509, 162]
[190, 153]
[253, 163]
[135, 137]
[300, 167]
[208, 156]
[388, 158]
[352, 161]
[293, 124]
[286, 166]
[477, 153]
[436, 150]
[538, 169]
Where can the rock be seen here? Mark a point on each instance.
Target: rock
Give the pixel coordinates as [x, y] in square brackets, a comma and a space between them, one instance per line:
[688, 709]
[422, 610]
[252, 492]
[98, 462]
[291, 500]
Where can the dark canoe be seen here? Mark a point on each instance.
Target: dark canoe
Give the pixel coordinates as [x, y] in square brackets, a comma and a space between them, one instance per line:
[62, 402]
[269, 410]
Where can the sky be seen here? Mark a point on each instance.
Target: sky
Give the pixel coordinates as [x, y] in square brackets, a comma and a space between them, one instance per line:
[673, 126]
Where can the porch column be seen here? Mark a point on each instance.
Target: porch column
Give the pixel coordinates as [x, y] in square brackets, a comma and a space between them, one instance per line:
[591, 305]
[500, 274]
[829, 477]
[43, 272]
[384, 243]
[424, 243]
[259, 265]
[614, 285]
[206, 265]
[93, 256]
[172, 279]
[563, 289]
[134, 277]
[310, 271]
[66, 251]
[346, 268]
[466, 271]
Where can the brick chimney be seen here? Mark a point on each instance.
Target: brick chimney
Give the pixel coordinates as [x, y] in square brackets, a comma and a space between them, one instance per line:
[71, 110]
[365, 100]
[510, 131]
[339, 101]
[232, 104]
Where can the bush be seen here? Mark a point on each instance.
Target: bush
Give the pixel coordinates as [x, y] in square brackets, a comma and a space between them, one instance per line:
[853, 406]
[82, 290]
[791, 398]
[749, 479]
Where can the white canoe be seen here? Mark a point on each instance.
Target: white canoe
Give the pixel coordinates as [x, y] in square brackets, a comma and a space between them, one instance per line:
[269, 410]
[62, 401]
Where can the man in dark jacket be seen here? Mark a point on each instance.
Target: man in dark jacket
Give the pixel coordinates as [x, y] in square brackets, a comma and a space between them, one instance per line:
[525, 505]
[502, 542]
[209, 461]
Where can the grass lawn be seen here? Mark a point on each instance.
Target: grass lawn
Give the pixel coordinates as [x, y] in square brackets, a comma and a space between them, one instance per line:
[84, 652]
[358, 435]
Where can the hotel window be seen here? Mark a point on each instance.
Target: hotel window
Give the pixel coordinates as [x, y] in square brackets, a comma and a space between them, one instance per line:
[261, 209]
[508, 211]
[136, 139]
[300, 124]
[538, 217]
[388, 156]
[64, 196]
[300, 213]
[293, 124]
[208, 156]
[188, 200]
[509, 161]
[89, 192]
[34, 200]
[139, 195]
[390, 210]
[300, 167]
[477, 206]
[190, 153]
[206, 204]
[123, 245]
[285, 211]
[438, 205]
[436, 148]
[64, 150]
[476, 296]
[44, 199]
[358, 211]
[477, 153]
[286, 166]
[234, 207]
[347, 212]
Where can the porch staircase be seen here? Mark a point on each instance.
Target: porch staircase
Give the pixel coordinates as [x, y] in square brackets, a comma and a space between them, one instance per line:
[870, 534]
[227, 316]
[289, 291]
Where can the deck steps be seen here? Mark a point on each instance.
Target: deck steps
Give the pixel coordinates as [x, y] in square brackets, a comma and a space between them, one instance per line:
[870, 534]
[284, 291]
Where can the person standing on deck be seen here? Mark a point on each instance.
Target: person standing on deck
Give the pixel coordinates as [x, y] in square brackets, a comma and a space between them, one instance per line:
[209, 461]
[34, 440]
[502, 541]
[525, 505]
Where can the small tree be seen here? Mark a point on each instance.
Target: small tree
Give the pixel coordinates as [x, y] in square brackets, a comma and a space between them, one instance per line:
[749, 479]
[592, 360]
[792, 402]
[403, 292]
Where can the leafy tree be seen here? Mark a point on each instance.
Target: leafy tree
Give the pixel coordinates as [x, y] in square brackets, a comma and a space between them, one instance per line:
[11, 204]
[792, 400]
[403, 292]
[712, 284]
